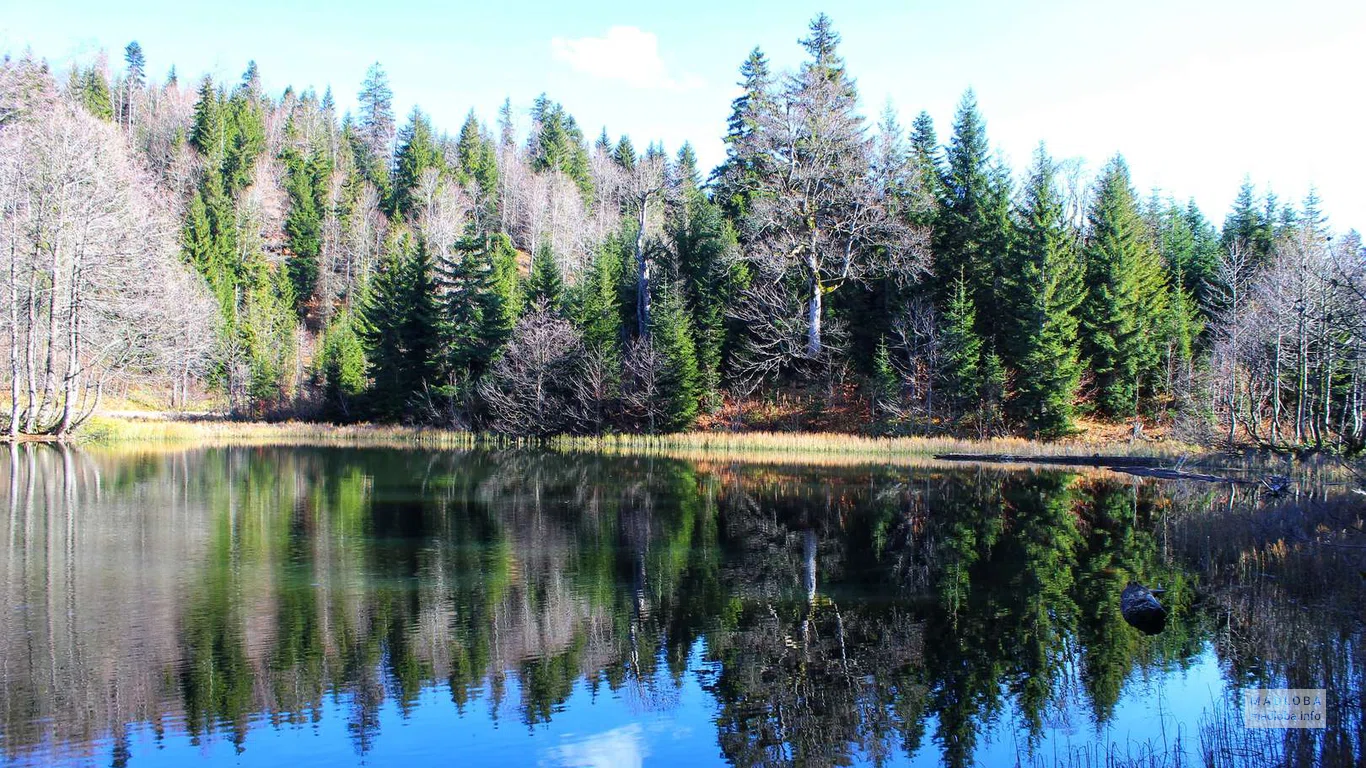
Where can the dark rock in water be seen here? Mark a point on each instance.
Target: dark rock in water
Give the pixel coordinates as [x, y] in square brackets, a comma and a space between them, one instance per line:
[1142, 609]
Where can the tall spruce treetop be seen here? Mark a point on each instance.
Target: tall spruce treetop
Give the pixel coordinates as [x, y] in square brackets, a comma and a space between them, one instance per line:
[1125, 295]
[961, 227]
[418, 152]
[822, 45]
[137, 64]
[736, 178]
[1045, 289]
[815, 217]
[478, 169]
[377, 125]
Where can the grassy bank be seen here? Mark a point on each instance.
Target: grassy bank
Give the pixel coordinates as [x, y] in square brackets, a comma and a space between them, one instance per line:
[768, 446]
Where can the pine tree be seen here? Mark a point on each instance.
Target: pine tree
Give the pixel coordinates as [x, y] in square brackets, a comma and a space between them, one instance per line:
[972, 229]
[1125, 295]
[737, 178]
[376, 125]
[1045, 290]
[341, 367]
[545, 284]
[884, 385]
[478, 170]
[401, 328]
[418, 153]
[960, 350]
[671, 335]
[478, 301]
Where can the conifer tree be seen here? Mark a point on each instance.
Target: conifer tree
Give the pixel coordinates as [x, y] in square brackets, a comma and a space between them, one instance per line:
[478, 170]
[91, 89]
[961, 228]
[306, 178]
[208, 132]
[137, 64]
[1045, 290]
[245, 139]
[376, 124]
[884, 384]
[599, 310]
[478, 301]
[705, 247]
[973, 228]
[738, 177]
[925, 156]
[1125, 295]
[341, 367]
[960, 350]
[545, 284]
[417, 153]
[401, 328]
[678, 382]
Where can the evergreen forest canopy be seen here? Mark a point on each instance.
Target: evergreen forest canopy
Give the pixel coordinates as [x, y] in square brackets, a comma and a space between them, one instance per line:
[206, 236]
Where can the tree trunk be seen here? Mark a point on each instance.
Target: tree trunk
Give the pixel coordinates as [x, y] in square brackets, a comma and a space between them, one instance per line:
[642, 272]
[813, 314]
[13, 339]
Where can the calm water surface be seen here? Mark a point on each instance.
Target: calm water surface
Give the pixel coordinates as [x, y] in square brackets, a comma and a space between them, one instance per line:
[306, 606]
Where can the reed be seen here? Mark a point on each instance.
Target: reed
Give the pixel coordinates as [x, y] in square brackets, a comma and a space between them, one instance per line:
[737, 445]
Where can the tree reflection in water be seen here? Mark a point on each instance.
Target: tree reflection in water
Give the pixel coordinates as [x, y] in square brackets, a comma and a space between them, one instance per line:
[830, 615]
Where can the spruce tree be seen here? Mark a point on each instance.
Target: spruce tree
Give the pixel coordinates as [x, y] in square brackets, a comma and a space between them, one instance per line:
[245, 126]
[884, 385]
[960, 350]
[704, 245]
[376, 124]
[478, 301]
[598, 308]
[736, 180]
[926, 155]
[137, 64]
[401, 328]
[545, 284]
[671, 335]
[418, 153]
[1045, 289]
[1125, 295]
[972, 230]
[341, 368]
[306, 177]
[478, 170]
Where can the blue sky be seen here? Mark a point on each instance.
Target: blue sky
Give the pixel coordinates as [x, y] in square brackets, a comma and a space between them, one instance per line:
[1194, 94]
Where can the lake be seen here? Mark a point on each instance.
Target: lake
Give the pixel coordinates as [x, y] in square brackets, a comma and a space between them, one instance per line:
[326, 606]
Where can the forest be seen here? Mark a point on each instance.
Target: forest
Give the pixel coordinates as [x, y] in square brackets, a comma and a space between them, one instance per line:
[214, 242]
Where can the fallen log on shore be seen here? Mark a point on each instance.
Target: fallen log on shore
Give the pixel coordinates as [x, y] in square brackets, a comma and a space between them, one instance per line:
[1139, 466]
[1095, 460]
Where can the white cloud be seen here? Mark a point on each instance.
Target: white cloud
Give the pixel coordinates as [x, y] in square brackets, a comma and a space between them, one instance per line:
[627, 54]
[621, 747]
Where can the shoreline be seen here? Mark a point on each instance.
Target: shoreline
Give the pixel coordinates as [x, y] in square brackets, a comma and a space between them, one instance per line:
[105, 431]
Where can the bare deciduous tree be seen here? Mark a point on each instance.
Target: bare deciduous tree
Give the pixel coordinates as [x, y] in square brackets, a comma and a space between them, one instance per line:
[95, 285]
[531, 388]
